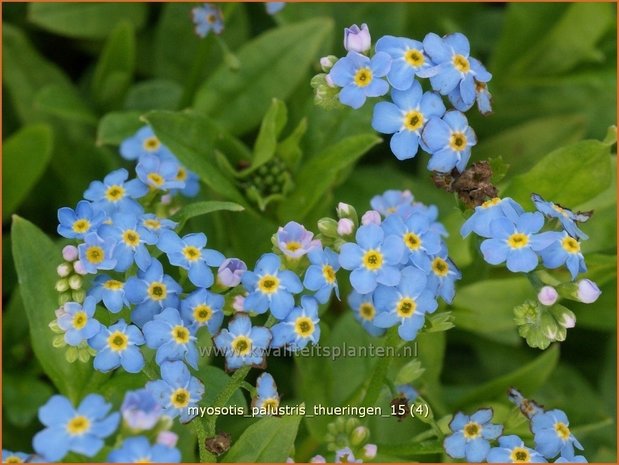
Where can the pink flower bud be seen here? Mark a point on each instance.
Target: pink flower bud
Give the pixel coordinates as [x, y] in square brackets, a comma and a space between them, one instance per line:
[588, 291]
[357, 39]
[345, 227]
[369, 450]
[69, 253]
[371, 217]
[547, 295]
[167, 438]
[79, 268]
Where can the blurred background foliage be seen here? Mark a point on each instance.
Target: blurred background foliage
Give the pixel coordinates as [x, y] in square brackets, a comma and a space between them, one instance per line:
[77, 77]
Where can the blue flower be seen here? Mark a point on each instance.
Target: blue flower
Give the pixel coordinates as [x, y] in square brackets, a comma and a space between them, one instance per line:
[274, 7]
[110, 291]
[80, 430]
[405, 304]
[96, 253]
[189, 253]
[140, 410]
[152, 291]
[177, 390]
[172, 338]
[373, 259]
[155, 224]
[78, 322]
[19, 457]
[191, 180]
[443, 276]
[408, 392]
[471, 435]
[130, 239]
[419, 242]
[365, 312]
[449, 140]
[408, 59]
[359, 77]
[267, 398]
[139, 450]
[574, 459]
[203, 308]
[346, 455]
[566, 216]
[512, 450]
[118, 346]
[455, 72]
[207, 18]
[143, 142]
[406, 117]
[552, 434]
[115, 194]
[295, 241]
[75, 224]
[270, 288]
[516, 243]
[159, 174]
[528, 407]
[320, 275]
[479, 222]
[482, 97]
[243, 344]
[565, 250]
[391, 201]
[230, 272]
[299, 328]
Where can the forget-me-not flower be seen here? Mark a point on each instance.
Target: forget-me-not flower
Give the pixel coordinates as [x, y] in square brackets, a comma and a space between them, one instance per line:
[299, 328]
[320, 275]
[365, 312]
[118, 346]
[139, 450]
[407, 59]
[511, 449]
[75, 224]
[449, 140]
[243, 343]
[172, 338]
[78, 321]
[471, 435]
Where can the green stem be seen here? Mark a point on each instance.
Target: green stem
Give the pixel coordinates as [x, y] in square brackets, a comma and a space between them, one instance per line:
[381, 368]
[198, 428]
[195, 73]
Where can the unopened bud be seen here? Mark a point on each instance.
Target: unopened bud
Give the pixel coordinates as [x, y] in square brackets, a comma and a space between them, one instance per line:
[326, 63]
[369, 451]
[547, 295]
[588, 292]
[63, 270]
[345, 227]
[79, 268]
[78, 296]
[371, 217]
[64, 298]
[359, 435]
[62, 285]
[69, 253]
[167, 438]
[318, 459]
[75, 282]
[327, 227]
[357, 39]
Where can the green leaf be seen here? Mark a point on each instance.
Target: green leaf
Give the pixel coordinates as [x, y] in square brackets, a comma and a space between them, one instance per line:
[270, 129]
[321, 172]
[85, 20]
[191, 137]
[272, 66]
[64, 102]
[22, 395]
[114, 69]
[527, 379]
[158, 94]
[215, 380]
[289, 150]
[271, 439]
[25, 157]
[116, 126]
[570, 175]
[202, 208]
[36, 258]
[412, 448]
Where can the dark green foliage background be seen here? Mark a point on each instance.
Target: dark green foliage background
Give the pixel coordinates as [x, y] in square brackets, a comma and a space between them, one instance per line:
[67, 67]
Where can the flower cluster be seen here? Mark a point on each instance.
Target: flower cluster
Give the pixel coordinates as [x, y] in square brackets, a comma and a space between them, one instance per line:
[415, 118]
[472, 437]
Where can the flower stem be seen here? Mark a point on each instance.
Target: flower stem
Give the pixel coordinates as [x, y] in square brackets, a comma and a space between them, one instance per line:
[377, 377]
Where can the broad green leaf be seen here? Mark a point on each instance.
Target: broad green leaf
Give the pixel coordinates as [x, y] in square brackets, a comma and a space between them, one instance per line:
[320, 173]
[412, 448]
[271, 439]
[36, 258]
[114, 69]
[527, 379]
[270, 129]
[202, 208]
[272, 66]
[22, 395]
[116, 126]
[289, 149]
[25, 157]
[570, 175]
[85, 20]
[156, 94]
[64, 102]
[431, 353]
[191, 137]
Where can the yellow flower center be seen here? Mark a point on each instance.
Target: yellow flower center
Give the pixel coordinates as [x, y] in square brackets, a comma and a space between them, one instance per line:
[155, 179]
[373, 260]
[457, 141]
[118, 341]
[181, 175]
[151, 143]
[202, 313]
[241, 345]
[192, 253]
[78, 425]
[81, 226]
[413, 120]
[180, 398]
[562, 430]
[270, 405]
[114, 193]
[363, 77]
[406, 307]
[143, 460]
[367, 311]
[13, 459]
[518, 240]
[440, 267]
[570, 245]
[211, 18]
[268, 284]
[472, 430]
[328, 273]
[293, 246]
[79, 320]
[304, 326]
[491, 202]
[180, 334]
[412, 241]
[414, 58]
[152, 224]
[95, 254]
[131, 238]
[157, 291]
[520, 455]
[461, 63]
[113, 285]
